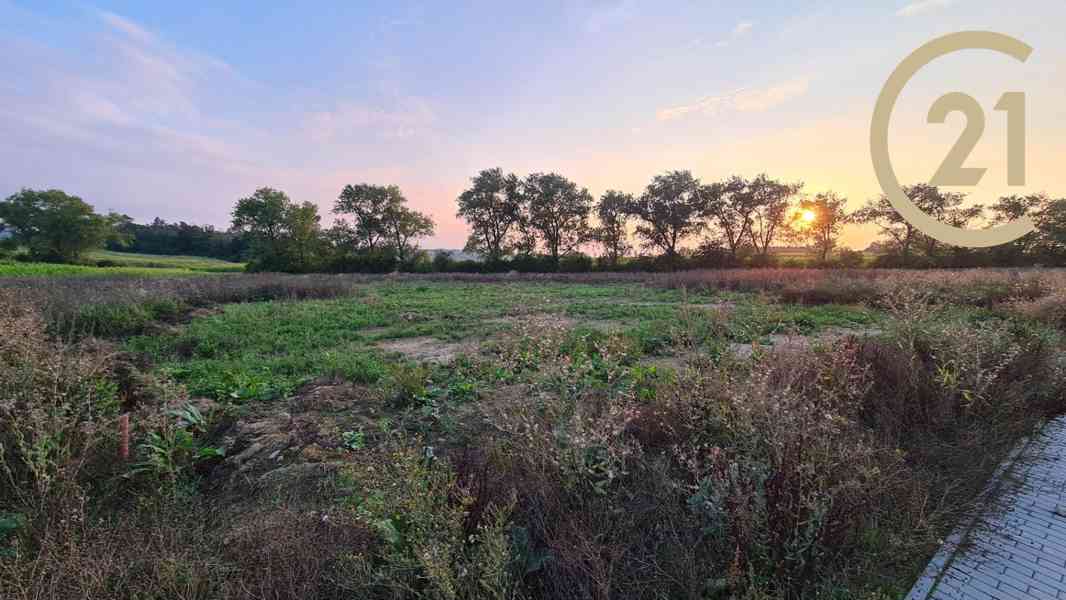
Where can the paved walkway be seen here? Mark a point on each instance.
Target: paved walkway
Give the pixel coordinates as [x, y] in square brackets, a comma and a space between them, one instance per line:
[1017, 549]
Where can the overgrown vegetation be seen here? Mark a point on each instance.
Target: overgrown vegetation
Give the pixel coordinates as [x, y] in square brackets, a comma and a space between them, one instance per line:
[701, 435]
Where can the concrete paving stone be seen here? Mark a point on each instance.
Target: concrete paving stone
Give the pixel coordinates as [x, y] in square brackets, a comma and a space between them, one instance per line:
[1016, 549]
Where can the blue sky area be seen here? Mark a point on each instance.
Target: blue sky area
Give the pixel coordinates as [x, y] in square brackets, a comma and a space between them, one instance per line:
[175, 110]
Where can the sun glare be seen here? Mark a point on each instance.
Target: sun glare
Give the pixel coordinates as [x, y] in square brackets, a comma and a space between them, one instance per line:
[808, 216]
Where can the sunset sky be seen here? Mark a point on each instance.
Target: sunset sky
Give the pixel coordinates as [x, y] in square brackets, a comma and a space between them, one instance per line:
[173, 111]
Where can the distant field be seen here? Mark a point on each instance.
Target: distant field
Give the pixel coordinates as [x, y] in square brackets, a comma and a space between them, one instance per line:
[193, 263]
[123, 265]
[19, 269]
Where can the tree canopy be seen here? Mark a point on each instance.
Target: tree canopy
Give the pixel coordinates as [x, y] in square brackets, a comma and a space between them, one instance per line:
[819, 220]
[558, 212]
[611, 233]
[55, 226]
[670, 210]
[493, 207]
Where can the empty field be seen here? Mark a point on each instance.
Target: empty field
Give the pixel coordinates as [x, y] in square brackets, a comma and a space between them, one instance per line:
[707, 434]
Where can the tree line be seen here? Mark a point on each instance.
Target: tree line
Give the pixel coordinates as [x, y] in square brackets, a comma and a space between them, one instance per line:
[680, 222]
[181, 238]
[546, 222]
[675, 219]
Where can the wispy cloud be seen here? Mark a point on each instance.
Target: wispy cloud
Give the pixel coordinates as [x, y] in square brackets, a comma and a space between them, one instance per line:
[740, 30]
[129, 111]
[128, 27]
[922, 6]
[405, 118]
[742, 100]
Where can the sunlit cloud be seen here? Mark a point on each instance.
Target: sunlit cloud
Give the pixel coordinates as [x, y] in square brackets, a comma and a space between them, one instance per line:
[742, 28]
[742, 100]
[922, 7]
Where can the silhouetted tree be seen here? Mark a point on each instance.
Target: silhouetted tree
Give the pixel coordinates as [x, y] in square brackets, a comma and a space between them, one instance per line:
[1051, 231]
[1010, 208]
[403, 226]
[493, 209]
[769, 201]
[557, 212]
[729, 208]
[611, 232]
[906, 241]
[669, 211]
[823, 231]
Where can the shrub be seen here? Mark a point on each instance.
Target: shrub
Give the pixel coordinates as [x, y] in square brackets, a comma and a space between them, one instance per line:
[575, 263]
[442, 262]
[426, 547]
[56, 406]
[1049, 309]
[847, 258]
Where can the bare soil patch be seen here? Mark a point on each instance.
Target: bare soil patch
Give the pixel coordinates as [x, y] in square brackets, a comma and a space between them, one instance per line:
[277, 436]
[555, 320]
[428, 349]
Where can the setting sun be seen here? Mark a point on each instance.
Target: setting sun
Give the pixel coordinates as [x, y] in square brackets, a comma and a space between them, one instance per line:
[808, 216]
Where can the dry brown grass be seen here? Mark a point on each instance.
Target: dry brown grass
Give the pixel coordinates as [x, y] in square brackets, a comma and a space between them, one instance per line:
[124, 306]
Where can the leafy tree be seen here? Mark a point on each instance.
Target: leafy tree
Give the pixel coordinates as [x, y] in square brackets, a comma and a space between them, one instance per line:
[769, 201]
[367, 205]
[905, 238]
[826, 218]
[493, 207]
[404, 225]
[900, 232]
[730, 208]
[262, 216]
[669, 211]
[284, 236]
[55, 226]
[611, 232]
[303, 243]
[902, 236]
[340, 238]
[1051, 230]
[557, 212]
[1010, 208]
[262, 219]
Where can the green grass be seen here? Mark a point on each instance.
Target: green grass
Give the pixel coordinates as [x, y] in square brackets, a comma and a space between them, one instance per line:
[21, 269]
[122, 265]
[268, 349]
[192, 263]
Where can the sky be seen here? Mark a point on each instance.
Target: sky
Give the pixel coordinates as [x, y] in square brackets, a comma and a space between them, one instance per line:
[164, 110]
